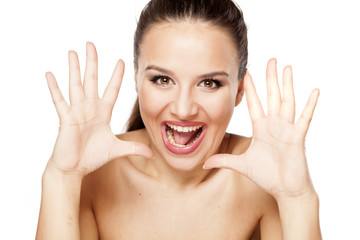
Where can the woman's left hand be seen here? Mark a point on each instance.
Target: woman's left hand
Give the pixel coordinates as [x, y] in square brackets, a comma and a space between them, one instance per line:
[275, 159]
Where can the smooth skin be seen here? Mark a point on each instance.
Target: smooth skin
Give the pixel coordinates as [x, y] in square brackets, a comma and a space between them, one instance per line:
[94, 187]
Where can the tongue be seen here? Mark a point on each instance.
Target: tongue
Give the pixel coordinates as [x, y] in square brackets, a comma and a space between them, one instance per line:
[183, 137]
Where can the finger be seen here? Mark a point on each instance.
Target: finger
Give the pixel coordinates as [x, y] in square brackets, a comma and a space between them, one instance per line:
[126, 148]
[112, 90]
[304, 121]
[255, 109]
[60, 104]
[273, 91]
[75, 86]
[287, 110]
[229, 161]
[91, 72]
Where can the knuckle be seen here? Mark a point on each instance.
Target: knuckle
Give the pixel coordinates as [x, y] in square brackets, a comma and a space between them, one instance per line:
[93, 76]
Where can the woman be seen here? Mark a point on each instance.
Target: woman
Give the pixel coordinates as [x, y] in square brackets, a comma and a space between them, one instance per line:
[168, 177]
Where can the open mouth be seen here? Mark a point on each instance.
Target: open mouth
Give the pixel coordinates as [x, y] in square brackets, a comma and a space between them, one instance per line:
[183, 138]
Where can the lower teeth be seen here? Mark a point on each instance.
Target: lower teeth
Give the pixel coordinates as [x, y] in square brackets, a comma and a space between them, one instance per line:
[170, 135]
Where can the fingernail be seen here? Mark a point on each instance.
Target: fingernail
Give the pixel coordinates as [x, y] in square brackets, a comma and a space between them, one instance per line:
[70, 52]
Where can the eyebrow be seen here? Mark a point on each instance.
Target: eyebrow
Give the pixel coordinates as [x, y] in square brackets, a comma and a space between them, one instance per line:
[159, 69]
[168, 72]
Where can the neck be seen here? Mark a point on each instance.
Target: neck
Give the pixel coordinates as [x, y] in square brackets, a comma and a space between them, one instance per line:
[176, 179]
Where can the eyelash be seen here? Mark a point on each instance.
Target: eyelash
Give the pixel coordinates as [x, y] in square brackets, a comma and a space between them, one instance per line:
[155, 80]
[217, 83]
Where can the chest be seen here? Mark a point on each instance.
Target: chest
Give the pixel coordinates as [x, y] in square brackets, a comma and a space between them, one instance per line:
[143, 211]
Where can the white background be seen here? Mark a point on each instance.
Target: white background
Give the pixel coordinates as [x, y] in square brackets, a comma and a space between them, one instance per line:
[320, 39]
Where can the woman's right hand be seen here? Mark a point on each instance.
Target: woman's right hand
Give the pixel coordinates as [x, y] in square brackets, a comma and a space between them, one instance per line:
[85, 141]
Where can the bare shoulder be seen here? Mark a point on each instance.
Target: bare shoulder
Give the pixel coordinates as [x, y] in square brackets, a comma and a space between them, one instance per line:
[100, 184]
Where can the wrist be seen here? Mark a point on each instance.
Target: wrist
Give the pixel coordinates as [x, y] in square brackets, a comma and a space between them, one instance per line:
[53, 176]
[52, 170]
[60, 204]
[299, 216]
[306, 197]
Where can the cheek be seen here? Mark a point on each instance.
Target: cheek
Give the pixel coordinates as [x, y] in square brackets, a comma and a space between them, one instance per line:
[151, 103]
[220, 107]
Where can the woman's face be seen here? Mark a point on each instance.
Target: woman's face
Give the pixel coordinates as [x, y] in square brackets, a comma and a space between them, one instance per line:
[188, 87]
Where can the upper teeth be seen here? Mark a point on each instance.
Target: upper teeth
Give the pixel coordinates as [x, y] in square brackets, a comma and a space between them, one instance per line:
[184, 129]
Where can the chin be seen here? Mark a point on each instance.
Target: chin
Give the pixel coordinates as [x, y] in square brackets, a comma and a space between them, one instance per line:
[183, 163]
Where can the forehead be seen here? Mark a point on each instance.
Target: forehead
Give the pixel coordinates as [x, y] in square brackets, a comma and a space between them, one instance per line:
[178, 45]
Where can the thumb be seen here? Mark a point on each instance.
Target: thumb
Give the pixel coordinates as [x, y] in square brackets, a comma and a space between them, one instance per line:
[229, 161]
[125, 148]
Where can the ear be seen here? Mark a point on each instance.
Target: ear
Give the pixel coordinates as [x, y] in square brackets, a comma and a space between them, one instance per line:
[240, 92]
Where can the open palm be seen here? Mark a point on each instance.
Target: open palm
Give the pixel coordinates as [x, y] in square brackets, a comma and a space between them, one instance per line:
[275, 159]
[85, 141]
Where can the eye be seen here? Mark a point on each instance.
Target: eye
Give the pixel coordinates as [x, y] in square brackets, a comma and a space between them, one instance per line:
[162, 80]
[210, 83]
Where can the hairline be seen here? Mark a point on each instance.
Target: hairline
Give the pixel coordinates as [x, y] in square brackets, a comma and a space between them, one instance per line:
[191, 19]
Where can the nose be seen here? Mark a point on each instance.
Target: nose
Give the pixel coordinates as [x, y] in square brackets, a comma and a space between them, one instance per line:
[184, 105]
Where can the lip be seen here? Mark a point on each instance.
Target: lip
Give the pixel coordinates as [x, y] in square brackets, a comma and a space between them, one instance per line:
[187, 149]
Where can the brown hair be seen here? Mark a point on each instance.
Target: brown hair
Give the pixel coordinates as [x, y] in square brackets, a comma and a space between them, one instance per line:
[222, 13]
